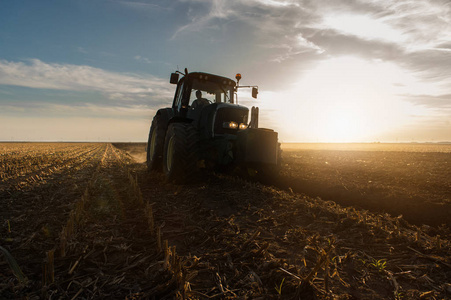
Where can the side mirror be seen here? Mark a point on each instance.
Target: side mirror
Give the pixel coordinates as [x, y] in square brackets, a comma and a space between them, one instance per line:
[174, 78]
[254, 92]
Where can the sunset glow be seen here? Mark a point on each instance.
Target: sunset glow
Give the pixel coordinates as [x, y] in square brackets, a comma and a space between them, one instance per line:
[347, 99]
[328, 72]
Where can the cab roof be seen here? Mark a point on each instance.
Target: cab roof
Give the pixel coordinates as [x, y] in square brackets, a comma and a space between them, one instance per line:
[211, 77]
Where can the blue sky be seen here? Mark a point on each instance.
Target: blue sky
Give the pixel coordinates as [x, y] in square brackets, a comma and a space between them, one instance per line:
[350, 71]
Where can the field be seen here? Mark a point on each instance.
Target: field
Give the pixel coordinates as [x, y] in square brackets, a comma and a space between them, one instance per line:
[412, 180]
[88, 221]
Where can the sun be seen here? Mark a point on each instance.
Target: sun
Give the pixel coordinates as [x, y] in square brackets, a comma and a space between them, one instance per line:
[339, 126]
[344, 99]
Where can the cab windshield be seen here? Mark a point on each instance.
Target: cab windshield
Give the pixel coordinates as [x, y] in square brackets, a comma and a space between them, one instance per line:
[210, 92]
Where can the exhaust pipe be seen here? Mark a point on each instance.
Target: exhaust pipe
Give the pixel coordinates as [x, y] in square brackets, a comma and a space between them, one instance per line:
[254, 117]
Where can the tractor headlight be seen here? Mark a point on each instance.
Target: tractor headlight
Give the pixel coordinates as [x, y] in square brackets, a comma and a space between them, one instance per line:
[242, 126]
[230, 125]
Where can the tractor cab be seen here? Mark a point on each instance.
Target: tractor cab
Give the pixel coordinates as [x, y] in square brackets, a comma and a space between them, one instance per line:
[207, 88]
[209, 101]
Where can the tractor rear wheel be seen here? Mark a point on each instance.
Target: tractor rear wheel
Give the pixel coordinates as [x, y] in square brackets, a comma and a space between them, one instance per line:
[181, 153]
[155, 144]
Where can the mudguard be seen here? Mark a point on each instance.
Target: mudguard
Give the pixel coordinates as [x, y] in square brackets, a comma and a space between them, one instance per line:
[167, 114]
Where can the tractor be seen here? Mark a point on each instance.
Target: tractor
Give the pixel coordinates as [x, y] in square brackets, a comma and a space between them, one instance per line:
[206, 129]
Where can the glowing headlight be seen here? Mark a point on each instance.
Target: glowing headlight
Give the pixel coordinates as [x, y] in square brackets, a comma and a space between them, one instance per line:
[242, 126]
[230, 125]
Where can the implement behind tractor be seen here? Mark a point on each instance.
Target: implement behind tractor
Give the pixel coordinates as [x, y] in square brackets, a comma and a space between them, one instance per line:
[206, 129]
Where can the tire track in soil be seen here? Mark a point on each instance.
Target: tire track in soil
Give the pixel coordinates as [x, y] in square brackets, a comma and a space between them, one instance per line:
[49, 196]
[114, 252]
[30, 163]
[29, 178]
[39, 153]
[35, 215]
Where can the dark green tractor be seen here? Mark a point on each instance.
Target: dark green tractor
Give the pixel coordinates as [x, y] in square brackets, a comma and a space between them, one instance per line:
[206, 129]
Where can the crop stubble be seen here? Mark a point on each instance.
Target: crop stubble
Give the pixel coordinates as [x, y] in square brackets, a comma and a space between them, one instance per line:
[227, 237]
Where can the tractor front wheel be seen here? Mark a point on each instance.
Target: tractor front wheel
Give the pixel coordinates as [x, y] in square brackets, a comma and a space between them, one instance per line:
[266, 174]
[181, 153]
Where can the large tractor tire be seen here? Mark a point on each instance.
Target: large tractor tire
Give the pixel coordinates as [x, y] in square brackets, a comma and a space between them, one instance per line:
[267, 174]
[270, 174]
[155, 144]
[181, 153]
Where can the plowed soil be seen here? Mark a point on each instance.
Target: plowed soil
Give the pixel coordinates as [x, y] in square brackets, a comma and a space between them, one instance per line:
[412, 180]
[102, 227]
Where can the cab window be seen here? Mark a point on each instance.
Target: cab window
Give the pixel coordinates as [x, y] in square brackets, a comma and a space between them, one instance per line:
[181, 97]
[211, 91]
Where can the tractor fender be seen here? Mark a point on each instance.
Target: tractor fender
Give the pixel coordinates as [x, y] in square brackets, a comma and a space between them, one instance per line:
[166, 114]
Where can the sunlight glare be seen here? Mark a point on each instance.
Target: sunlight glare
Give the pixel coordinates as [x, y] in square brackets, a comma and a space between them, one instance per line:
[342, 99]
[363, 26]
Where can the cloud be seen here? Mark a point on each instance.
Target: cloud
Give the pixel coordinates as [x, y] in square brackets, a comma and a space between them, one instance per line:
[440, 102]
[74, 110]
[276, 3]
[335, 43]
[426, 23]
[118, 86]
[147, 60]
[140, 5]
[143, 59]
[412, 34]
[363, 26]
[203, 15]
[282, 30]
[432, 65]
[268, 24]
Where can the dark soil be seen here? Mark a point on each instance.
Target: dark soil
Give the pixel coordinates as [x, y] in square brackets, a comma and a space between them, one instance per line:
[415, 185]
[127, 234]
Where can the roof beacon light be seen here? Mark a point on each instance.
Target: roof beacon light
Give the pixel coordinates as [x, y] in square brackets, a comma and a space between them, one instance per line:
[238, 77]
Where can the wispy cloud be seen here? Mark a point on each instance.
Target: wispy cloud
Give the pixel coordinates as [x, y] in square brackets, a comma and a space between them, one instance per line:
[119, 86]
[365, 27]
[204, 14]
[147, 60]
[272, 24]
[375, 29]
[140, 5]
[278, 3]
[441, 102]
[73, 110]
[143, 59]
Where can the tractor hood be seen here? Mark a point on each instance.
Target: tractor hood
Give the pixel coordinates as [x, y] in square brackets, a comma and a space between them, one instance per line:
[214, 116]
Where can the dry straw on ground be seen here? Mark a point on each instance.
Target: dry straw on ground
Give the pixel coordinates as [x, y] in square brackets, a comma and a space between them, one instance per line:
[103, 227]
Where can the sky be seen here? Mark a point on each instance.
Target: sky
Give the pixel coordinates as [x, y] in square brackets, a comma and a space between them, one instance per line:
[327, 71]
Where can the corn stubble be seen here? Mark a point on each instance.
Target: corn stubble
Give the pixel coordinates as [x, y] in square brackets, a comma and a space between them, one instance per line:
[125, 233]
